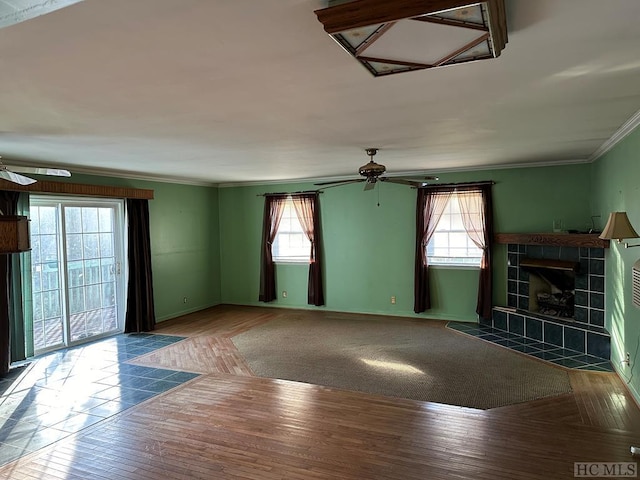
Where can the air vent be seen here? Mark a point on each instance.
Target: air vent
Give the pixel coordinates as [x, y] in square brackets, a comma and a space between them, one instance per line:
[636, 284]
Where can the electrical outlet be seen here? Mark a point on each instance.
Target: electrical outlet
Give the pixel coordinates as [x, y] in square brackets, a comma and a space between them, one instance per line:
[284, 294]
[393, 299]
[627, 359]
[184, 300]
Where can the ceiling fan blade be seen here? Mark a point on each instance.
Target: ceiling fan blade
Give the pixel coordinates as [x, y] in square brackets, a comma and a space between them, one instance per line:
[16, 178]
[341, 182]
[57, 172]
[403, 181]
[369, 186]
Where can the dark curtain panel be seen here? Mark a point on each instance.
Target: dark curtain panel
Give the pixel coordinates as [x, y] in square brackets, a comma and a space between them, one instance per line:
[273, 208]
[307, 209]
[476, 207]
[8, 206]
[21, 310]
[140, 316]
[429, 208]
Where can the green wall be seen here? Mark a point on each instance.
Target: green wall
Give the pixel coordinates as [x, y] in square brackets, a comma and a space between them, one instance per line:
[369, 249]
[206, 242]
[616, 187]
[185, 243]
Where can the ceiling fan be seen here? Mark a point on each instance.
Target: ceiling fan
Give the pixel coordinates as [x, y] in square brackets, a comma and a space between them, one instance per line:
[13, 173]
[372, 172]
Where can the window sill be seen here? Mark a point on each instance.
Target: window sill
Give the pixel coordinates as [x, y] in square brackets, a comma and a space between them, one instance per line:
[454, 266]
[291, 262]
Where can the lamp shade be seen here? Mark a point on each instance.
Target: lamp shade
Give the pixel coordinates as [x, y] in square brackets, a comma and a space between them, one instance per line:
[618, 227]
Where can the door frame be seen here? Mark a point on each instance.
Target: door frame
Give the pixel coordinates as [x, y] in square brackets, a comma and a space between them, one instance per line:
[120, 245]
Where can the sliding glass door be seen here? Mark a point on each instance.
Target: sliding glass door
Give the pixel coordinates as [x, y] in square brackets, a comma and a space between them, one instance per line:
[77, 282]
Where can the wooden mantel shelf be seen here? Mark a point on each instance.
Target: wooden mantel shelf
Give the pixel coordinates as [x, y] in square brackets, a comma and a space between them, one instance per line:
[553, 239]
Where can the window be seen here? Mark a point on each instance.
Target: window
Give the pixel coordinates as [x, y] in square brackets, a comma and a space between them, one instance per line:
[291, 243]
[450, 243]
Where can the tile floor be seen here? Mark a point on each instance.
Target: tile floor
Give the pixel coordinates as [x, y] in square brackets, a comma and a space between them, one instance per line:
[544, 351]
[61, 393]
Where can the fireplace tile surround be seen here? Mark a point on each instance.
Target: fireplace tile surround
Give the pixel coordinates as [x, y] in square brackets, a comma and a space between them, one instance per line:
[589, 280]
[585, 333]
[564, 357]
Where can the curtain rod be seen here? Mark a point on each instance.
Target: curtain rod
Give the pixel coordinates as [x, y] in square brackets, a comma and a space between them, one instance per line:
[302, 192]
[462, 184]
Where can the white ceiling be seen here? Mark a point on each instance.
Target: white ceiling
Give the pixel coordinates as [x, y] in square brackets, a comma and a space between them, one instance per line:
[219, 91]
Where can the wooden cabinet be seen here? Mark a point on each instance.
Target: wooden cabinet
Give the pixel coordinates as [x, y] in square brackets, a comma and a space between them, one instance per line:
[14, 234]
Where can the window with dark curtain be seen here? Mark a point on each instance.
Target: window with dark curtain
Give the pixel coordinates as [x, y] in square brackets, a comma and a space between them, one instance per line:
[8, 206]
[308, 211]
[140, 316]
[430, 206]
[479, 227]
[476, 207]
[273, 208]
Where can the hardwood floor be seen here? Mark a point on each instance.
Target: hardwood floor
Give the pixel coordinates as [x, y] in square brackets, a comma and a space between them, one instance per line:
[228, 423]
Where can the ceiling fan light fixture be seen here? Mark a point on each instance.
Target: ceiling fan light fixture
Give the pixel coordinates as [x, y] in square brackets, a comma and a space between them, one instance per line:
[372, 173]
[372, 170]
[407, 35]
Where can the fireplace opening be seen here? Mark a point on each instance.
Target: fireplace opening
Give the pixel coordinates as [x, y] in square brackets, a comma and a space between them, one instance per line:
[551, 286]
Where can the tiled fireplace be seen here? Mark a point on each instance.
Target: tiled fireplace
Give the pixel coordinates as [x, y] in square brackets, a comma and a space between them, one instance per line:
[585, 273]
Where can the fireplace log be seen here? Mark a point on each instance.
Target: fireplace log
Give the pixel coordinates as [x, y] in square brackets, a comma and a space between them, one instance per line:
[550, 263]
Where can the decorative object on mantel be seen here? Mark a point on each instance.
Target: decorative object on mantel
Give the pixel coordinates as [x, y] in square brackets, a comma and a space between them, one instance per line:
[618, 228]
[553, 239]
[14, 234]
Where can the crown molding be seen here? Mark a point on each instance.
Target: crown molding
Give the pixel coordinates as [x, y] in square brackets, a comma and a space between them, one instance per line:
[137, 176]
[504, 166]
[335, 178]
[255, 183]
[628, 127]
